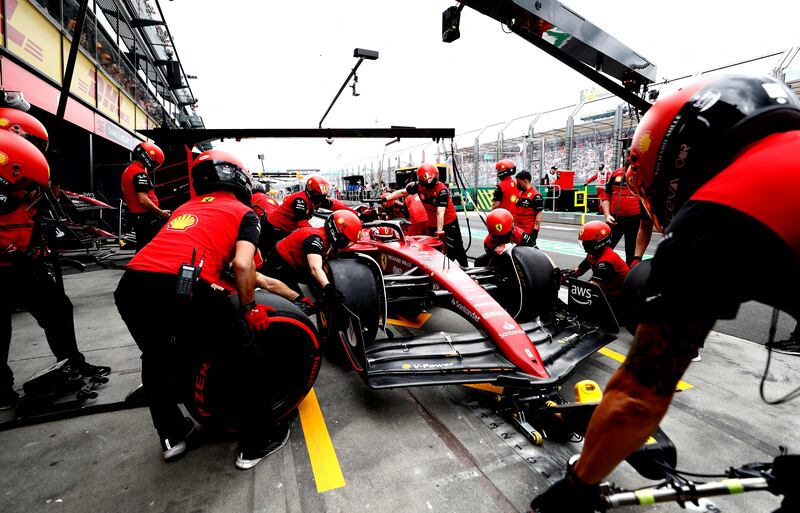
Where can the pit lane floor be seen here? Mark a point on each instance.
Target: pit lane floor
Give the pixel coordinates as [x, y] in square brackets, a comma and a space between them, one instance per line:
[413, 450]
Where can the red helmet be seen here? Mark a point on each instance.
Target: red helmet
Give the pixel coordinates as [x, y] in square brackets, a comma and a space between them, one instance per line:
[343, 228]
[499, 222]
[384, 233]
[505, 167]
[217, 170]
[21, 162]
[22, 123]
[686, 138]
[427, 175]
[595, 235]
[149, 154]
[317, 188]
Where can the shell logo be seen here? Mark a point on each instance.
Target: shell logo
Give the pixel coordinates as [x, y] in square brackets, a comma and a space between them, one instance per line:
[644, 143]
[4, 122]
[152, 152]
[406, 365]
[182, 222]
[498, 227]
[602, 231]
[3, 158]
[207, 199]
[340, 220]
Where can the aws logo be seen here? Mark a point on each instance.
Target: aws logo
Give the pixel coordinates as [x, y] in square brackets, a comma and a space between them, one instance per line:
[182, 222]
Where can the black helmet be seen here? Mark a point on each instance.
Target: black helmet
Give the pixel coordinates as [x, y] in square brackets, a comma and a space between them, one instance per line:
[258, 186]
[217, 170]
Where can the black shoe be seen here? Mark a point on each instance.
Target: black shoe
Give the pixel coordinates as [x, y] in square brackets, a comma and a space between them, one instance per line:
[250, 457]
[8, 399]
[175, 446]
[788, 346]
[87, 370]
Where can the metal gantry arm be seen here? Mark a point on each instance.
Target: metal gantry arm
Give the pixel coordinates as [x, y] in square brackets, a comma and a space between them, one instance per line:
[573, 40]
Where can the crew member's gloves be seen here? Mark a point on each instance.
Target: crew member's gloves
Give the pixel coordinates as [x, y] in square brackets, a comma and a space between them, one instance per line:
[257, 317]
[306, 304]
[635, 260]
[331, 295]
[534, 236]
[570, 494]
[367, 215]
[440, 235]
[568, 274]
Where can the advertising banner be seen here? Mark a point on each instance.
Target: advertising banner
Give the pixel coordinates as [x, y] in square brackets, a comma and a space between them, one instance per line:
[33, 38]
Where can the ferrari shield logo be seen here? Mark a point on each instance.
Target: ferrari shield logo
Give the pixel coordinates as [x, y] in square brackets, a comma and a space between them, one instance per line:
[384, 261]
[182, 222]
[207, 199]
[498, 227]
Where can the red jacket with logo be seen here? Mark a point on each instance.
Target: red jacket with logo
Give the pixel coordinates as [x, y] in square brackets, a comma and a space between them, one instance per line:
[295, 248]
[623, 202]
[263, 204]
[507, 193]
[529, 204]
[432, 199]
[134, 180]
[296, 209]
[208, 224]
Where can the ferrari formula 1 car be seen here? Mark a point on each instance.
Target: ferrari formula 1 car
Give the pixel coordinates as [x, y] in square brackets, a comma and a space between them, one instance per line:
[524, 338]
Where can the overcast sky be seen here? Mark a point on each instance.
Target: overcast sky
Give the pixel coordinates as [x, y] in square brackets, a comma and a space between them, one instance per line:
[272, 63]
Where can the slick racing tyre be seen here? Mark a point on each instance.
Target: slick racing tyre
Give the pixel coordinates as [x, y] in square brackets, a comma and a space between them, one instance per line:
[342, 341]
[290, 367]
[531, 282]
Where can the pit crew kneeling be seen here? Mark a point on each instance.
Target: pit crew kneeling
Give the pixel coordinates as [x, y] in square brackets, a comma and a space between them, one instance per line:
[693, 159]
[300, 256]
[167, 300]
[608, 269]
[500, 224]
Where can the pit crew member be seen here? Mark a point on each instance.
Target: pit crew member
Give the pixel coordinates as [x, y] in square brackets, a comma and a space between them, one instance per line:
[608, 269]
[262, 203]
[166, 294]
[693, 158]
[299, 257]
[530, 205]
[506, 193]
[26, 280]
[139, 193]
[296, 210]
[502, 231]
[442, 218]
[622, 211]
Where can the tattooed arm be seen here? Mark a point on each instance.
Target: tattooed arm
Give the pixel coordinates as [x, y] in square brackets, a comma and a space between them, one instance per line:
[638, 395]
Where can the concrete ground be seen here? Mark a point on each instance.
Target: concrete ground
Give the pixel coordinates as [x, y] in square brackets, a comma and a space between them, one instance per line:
[355, 449]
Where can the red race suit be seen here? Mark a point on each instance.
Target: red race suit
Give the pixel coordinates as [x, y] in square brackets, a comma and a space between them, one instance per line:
[432, 199]
[134, 180]
[608, 268]
[518, 237]
[16, 230]
[529, 204]
[623, 202]
[295, 248]
[263, 204]
[507, 193]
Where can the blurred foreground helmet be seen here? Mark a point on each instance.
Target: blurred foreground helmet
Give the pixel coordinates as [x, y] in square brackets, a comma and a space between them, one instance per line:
[594, 235]
[149, 154]
[505, 167]
[217, 170]
[688, 137]
[21, 162]
[343, 228]
[427, 175]
[22, 123]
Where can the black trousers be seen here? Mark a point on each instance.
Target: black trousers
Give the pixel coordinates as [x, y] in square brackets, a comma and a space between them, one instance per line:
[30, 286]
[270, 236]
[171, 331]
[627, 227]
[454, 244]
[146, 226]
[276, 267]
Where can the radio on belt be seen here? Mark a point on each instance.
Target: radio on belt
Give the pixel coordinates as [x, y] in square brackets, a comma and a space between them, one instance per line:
[188, 276]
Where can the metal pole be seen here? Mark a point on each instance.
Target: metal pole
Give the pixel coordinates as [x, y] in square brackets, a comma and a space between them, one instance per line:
[617, 136]
[73, 55]
[91, 161]
[347, 80]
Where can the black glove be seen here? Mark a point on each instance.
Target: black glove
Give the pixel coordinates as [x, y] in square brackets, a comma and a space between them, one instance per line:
[570, 494]
[534, 236]
[331, 296]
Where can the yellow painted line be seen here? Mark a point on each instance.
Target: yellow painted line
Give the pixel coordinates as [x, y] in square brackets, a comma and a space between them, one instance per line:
[324, 463]
[682, 385]
[486, 387]
[417, 322]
